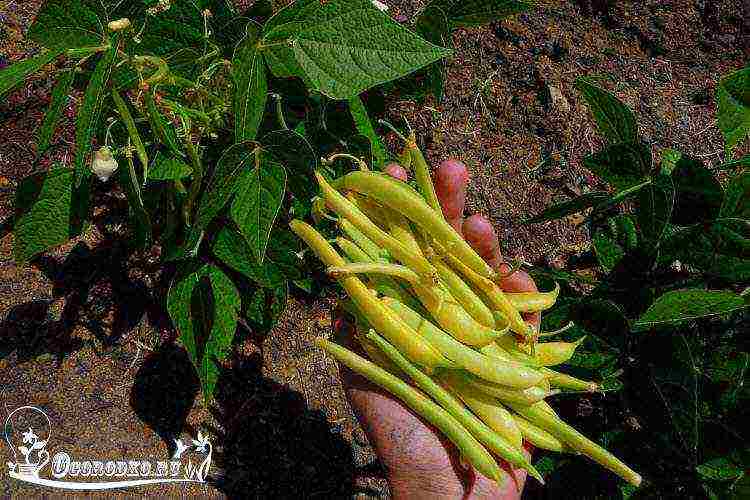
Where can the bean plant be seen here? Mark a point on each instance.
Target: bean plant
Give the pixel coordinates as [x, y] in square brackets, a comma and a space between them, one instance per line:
[665, 312]
[210, 122]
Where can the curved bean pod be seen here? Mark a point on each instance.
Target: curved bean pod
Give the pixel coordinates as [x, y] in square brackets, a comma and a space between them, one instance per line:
[496, 297]
[485, 407]
[507, 373]
[422, 176]
[568, 382]
[527, 396]
[465, 295]
[555, 353]
[380, 317]
[478, 428]
[382, 284]
[533, 301]
[537, 436]
[344, 208]
[469, 447]
[539, 416]
[398, 196]
[375, 252]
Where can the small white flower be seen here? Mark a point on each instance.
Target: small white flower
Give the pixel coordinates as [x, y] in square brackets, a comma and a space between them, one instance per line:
[380, 5]
[104, 165]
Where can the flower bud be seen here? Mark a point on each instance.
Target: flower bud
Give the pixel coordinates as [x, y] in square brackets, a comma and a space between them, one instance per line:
[119, 25]
[104, 165]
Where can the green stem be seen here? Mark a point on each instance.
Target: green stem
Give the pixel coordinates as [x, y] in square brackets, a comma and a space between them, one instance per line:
[280, 111]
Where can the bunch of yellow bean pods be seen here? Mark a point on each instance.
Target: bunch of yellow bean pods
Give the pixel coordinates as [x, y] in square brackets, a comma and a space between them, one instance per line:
[439, 333]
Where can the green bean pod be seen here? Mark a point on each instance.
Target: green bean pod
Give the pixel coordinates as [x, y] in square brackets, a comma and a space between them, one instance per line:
[398, 196]
[537, 436]
[422, 176]
[507, 373]
[371, 249]
[527, 396]
[445, 399]
[465, 296]
[540, 417]
[467, 444]
[344, 208]
[568, 382]
[485, 407]
[382, 284]
[533, 301]
[380, 317]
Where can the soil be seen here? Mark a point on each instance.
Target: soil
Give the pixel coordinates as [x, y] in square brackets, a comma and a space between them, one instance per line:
[88, 341]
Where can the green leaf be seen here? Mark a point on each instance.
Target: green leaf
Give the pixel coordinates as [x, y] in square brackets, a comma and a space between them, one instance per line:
[720, 469]
[291, 149]
[466, 13]
[733, 108]
[135, 137]
[698, 194]
[737, 198]
[168, 168]
[16, 73]
[250, 86]
[343, 47]
[163, 130]
[179, 27]
[588, 200]
[433, 25]
[223, 184]
[264, 306]
[608, 251]
[257, 203]
[281, 262]
[138, 215]
[621, 165]
[47, 214]
[655, 203]
[89, 112]
[59, 99]
[69, 24]
[678, 306]
[204, 306]
[615, 120]
[364, 126]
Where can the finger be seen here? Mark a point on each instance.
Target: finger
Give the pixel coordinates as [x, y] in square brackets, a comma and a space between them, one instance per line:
[480, 234]
[451, 178]
[397, 171]
[520, 281]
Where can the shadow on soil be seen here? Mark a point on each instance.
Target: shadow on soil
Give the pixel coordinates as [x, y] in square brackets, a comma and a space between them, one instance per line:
[268, 443]
[272, 444]
[99, 293]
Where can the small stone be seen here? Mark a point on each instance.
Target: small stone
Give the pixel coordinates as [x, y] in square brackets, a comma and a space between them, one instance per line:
[559, 102]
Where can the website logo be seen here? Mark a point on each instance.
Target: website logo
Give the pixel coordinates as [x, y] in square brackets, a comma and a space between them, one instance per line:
[28, 431]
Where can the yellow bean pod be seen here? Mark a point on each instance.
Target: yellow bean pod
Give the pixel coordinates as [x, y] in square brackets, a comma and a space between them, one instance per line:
[398, 196]
[537, 436]
[380, 317]
[344, 208]
[487, 408]
[505, 372]
[467, 444]
[533, 301]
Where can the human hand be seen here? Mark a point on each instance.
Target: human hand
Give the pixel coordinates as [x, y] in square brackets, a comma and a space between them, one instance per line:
[419, 461]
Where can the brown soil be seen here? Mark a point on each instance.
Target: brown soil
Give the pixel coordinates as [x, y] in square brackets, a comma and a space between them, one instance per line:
[99, 356]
